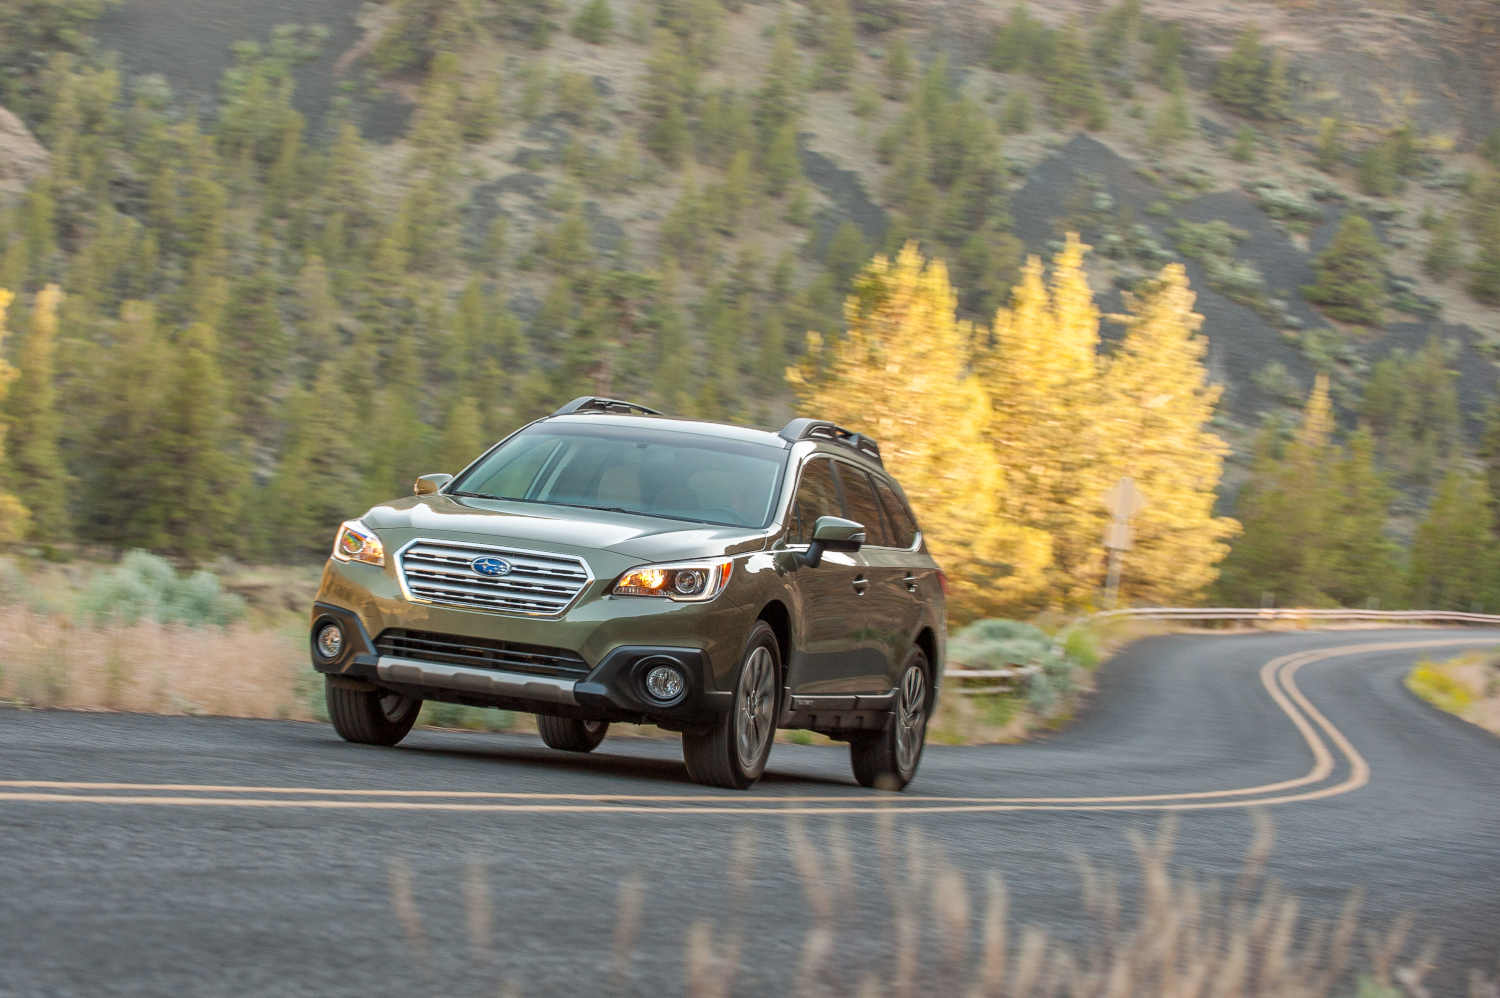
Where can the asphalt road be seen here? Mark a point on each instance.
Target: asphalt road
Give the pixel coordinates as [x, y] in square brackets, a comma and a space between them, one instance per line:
[144, 855]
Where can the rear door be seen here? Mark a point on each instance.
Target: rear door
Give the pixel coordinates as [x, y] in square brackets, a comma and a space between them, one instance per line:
[885, 606]
[830, 609]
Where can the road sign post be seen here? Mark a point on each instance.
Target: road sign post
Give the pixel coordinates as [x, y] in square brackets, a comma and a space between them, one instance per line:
[1123, 501]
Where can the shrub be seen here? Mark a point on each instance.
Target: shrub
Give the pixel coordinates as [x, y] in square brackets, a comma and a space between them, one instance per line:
[594, 22]
[146, 586]
[1444, 255]
[1432, 684]
[1351, 274]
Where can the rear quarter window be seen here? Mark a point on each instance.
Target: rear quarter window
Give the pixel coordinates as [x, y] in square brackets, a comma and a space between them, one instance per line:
[903, 523]
[859, 495]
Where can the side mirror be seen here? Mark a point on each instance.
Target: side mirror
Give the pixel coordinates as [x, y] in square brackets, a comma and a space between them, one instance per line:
[428, 484]
[833, 533]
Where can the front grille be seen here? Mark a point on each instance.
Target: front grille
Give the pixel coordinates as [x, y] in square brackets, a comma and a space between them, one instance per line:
[481, 653]
[542, 585]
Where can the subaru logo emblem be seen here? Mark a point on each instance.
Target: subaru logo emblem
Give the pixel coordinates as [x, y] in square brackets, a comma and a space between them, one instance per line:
[492, 567]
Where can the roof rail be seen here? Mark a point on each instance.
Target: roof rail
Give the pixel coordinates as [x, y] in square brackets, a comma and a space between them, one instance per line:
[590, 403]
[821, 429]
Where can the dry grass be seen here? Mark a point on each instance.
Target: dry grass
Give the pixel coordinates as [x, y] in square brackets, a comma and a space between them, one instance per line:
[1175, 935]
[241, 671]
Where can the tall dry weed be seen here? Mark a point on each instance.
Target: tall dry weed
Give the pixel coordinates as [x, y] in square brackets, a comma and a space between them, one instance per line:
[1182, 938]
[239, 671]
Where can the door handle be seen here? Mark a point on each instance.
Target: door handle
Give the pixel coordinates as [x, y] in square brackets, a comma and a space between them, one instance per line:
[910, 582]
[860, 585]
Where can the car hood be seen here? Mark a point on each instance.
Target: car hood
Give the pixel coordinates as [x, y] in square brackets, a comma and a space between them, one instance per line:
[544, 527]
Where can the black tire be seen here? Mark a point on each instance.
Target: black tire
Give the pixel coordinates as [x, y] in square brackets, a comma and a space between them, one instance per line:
[734, 751]
[888, 760]
[569, 734]
[367, 715]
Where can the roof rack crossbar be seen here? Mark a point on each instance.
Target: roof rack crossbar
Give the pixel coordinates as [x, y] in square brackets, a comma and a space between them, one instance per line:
[592, 403]
[821, 429]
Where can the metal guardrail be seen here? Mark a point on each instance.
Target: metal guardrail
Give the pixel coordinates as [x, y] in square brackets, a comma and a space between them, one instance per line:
[1006, 679]
[1292, 614]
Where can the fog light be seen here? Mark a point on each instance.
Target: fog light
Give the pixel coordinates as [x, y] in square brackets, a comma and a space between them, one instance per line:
[665, 683]
[330, 641]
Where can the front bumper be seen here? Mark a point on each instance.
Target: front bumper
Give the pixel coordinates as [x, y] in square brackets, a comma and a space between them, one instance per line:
[613, 690]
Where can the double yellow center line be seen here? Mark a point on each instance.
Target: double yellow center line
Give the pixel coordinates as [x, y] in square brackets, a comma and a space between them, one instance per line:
[1328, 744]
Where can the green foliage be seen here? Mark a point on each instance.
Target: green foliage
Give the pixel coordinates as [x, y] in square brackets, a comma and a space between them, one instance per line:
[1315, 520]
[898, 68]
[1330, 144]
[1378, 176]
[1453, 553]
[593, 22]
[32, 444]
[1252, 78]
[1173, 120]
[1351, 274]
[1243, 150]
[1410, 404]
[144, 586]
[1484, 271]
[1022, 43]
[1072, 90]
[1444, 254]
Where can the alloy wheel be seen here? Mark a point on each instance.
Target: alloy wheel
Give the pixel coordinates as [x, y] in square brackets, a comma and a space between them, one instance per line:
[753, 720]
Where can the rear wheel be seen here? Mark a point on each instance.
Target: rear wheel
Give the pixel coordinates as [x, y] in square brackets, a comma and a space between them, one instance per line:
[733, 752]
[888, 760]
[369, 715]
[570, 735]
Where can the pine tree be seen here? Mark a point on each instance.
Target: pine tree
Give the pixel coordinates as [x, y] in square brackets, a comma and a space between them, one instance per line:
[1351, 274]
[36, 424]
[838, 55]
[1444, 254]
[903, 337]
[1252, 79]
[1362, 562]
[1453, 556]
[1285, 509]
[594, 22]
[463, 437]
[897, 68]
[121, 467]
[195, 438]
[1157, 408]
[14, 518]
[1041, 376]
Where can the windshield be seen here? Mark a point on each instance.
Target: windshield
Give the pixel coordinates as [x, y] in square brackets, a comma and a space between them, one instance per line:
[653, 472]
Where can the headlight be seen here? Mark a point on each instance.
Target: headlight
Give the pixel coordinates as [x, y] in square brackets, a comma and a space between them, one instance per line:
[689, 582]
[357, 542]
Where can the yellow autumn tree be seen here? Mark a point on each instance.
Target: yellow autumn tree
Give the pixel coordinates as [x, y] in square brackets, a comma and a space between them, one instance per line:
[1041, 373]
[902, 373]
[13, 516]
[1157, 404]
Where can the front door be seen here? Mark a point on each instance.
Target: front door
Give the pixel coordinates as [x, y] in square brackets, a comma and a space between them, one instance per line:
[830, 595]
[887, 608]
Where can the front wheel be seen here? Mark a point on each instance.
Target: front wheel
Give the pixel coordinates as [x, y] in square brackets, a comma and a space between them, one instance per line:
[733, 752]
[888, 760]
[570, 735]
[368, 715]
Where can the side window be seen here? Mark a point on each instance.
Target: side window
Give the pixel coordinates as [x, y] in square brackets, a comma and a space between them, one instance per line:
[901, 519]
[817, 495]
[863, 506]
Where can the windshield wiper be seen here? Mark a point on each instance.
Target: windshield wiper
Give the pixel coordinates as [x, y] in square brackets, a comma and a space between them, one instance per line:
[471, 495]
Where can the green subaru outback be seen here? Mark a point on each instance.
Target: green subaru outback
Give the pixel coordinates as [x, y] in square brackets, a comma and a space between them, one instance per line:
[606, 563]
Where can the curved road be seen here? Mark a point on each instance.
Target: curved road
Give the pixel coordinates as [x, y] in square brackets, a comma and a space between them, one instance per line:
[211, 856]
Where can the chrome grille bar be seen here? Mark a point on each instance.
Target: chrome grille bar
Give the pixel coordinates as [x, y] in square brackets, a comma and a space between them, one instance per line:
[537, 584]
